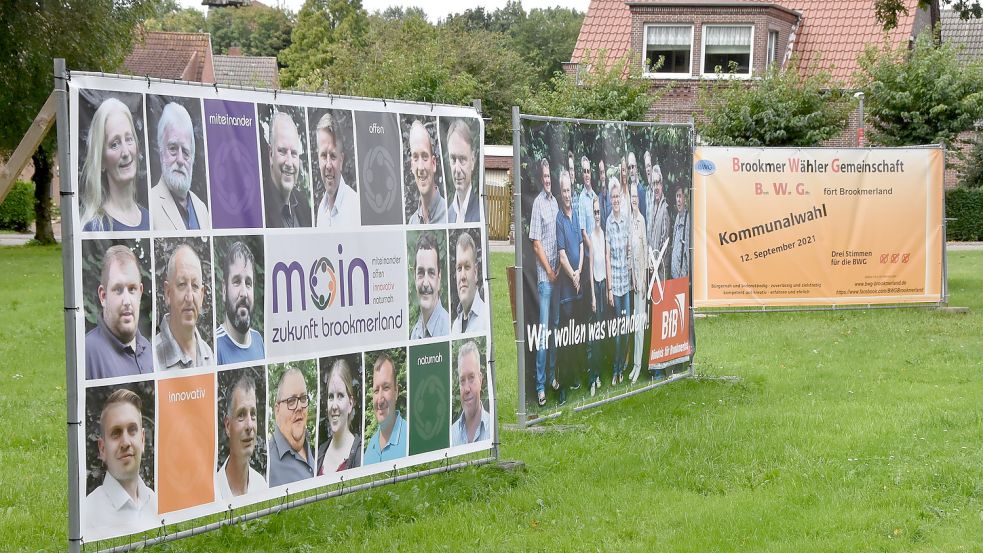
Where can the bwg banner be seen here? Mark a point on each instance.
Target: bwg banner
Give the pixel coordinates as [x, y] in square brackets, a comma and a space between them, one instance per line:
[818, 226]
[278, 292]
[604, 245]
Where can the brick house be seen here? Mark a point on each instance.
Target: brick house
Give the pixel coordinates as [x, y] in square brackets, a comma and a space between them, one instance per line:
[694, 37]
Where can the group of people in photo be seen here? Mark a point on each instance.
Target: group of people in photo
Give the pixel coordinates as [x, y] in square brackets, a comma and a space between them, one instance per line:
[602, 234]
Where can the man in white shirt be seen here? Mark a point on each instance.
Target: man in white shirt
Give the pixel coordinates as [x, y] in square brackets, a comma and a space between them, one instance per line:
[464, 207]
[123, 504]
[237, 477]
[339, 206]
[470, 315]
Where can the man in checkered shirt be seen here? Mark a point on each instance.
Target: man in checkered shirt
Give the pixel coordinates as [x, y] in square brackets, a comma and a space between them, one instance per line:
[618, 278]
[542, 233]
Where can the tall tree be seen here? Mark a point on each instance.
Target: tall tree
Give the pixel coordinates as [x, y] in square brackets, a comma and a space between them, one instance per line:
[783, 108]
[921, 95]
[93, 35]
[321, 26]
[258, 29]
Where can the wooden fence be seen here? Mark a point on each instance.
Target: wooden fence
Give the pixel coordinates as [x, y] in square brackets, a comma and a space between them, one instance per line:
[499, 214]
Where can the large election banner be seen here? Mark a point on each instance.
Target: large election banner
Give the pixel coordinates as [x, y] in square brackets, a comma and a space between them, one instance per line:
[278, 292]
[604, 245]
[818, 226]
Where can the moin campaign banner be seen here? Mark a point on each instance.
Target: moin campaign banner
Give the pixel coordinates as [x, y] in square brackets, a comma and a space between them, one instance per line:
[277, 292]
[818, 226]
[605, 234]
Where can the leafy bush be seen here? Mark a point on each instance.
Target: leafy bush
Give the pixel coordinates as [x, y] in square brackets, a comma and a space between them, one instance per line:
[965, 209]
[17, 209]
[973, 175]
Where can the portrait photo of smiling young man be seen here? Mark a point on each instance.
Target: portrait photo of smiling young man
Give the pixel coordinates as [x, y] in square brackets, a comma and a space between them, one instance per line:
[423, 180]
[284, 156]
[241, 433]
[120, 461]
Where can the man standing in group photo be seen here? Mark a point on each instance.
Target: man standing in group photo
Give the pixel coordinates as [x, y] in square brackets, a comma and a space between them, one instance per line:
[235, 339]
[433, 319]
[542, 234]
[639, 265]
[291, 455]
[339, 207]
[175, 206]
[658, 223]
[680, 236]
[423, 165]
[472, 312]
[389, 441]
[286, 205]
[236, 477]
[123, 503]
[618, 274]
[178, 344]
[570, 252]
[465, 205]
[474, 424]
[115, 347]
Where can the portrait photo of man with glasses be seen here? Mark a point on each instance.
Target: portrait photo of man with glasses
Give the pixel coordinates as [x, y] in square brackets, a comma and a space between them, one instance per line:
[291, 453]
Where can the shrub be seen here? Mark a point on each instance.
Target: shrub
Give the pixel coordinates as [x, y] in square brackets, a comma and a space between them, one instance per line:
[17, 209]
[965, 209]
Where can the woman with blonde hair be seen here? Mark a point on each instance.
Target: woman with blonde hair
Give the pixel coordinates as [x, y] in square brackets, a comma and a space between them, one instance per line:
[343, 450]
[109, 174]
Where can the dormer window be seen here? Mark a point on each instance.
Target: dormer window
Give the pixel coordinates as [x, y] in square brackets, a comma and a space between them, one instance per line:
[673, 44]
[724, 45]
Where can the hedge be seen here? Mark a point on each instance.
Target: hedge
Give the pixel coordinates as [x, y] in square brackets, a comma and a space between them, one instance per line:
[964, 208]
[17, 209]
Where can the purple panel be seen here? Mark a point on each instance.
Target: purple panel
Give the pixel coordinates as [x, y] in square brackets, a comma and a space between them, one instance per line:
[233, 164]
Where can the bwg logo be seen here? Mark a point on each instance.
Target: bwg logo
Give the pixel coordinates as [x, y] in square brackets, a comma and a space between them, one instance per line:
[672, 318]
[325, 284]
[705, 167]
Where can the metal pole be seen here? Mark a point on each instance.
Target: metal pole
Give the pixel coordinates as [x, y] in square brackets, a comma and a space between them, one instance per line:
[945, 256]
[692, 309]
[71, 306]
[491, 346]
[860, 121]
[520, 316]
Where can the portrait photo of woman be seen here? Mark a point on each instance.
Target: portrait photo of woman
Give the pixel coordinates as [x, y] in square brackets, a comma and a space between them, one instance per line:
[341, 445]
[112, 174]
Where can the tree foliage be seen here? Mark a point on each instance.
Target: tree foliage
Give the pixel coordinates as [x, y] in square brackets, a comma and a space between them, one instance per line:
[258, 29]
[783, 108]
[92, 35]
[924, 95]
[407, 58]
[610, 91]
[888, 11]
[322, 25]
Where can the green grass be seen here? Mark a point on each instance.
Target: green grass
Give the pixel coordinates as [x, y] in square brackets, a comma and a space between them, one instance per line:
[847, 431]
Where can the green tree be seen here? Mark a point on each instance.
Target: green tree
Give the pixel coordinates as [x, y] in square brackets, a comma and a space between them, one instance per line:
[546, 38]
[258, 29]
[174, 19]
[410, 59]
[972, 176]
[605, 91]
[321, 26]
[783, 108]
[93, 35]
[922, 95]
[888, 11]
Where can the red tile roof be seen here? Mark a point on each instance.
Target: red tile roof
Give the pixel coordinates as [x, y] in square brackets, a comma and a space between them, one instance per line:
[831, 32]
[184, 56]
[255, 71]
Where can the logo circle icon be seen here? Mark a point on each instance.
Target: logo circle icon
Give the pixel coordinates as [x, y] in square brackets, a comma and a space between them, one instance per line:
[705, 167]
[323, 283]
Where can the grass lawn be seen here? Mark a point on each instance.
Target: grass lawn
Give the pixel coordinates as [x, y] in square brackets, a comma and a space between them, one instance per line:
[847, 431]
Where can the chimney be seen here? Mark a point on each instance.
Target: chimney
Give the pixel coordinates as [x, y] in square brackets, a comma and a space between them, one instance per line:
[235, 51]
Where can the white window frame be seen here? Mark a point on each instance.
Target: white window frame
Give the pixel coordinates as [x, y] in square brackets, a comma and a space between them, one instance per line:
[692, 38]
[771, 55]
[703, 53]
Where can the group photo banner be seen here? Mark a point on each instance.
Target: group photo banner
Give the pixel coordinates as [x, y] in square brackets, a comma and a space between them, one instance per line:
[603, 239]
[277, 292]
[818, 226]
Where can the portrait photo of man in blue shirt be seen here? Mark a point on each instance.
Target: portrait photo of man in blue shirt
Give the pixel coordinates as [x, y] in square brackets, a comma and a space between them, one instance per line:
[236, 341]
[390, 440]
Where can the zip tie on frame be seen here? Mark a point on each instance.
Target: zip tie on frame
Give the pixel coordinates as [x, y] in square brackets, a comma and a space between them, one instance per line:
[148, 82]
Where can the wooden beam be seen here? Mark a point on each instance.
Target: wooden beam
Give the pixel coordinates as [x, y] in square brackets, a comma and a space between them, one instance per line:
[28, 145]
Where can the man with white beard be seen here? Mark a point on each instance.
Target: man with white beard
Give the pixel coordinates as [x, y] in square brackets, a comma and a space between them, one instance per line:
[175, 206]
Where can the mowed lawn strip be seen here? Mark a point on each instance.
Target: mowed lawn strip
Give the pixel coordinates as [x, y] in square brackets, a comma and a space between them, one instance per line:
[846, 431]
